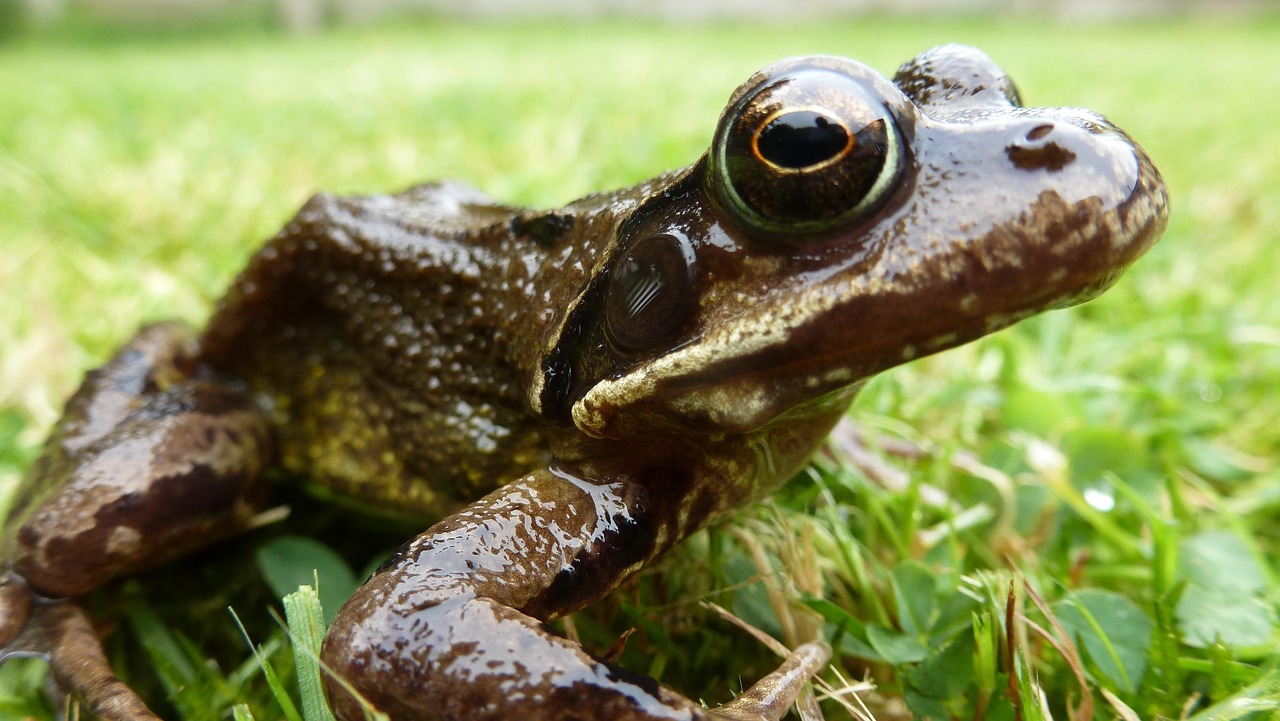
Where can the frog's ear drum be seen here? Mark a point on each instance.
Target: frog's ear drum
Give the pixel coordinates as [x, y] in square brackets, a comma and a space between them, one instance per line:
[805, 151]
[650, 291]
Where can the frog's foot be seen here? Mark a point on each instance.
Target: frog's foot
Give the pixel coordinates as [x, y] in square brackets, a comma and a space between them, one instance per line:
[60, 633]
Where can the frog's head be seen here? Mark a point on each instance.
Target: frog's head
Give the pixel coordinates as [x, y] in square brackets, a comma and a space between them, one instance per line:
[839, 225]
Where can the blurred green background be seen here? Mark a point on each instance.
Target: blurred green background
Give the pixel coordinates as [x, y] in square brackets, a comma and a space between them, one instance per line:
[142, 162]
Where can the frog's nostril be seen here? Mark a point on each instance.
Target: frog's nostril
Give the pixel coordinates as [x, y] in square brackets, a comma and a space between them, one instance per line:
[1039, 132]
[1040, 148]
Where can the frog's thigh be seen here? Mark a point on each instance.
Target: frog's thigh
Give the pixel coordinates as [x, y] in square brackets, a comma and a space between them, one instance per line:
[147, 464]
[449, 628]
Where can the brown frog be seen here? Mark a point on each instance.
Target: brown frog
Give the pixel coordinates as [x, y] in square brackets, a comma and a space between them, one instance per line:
[612, 374]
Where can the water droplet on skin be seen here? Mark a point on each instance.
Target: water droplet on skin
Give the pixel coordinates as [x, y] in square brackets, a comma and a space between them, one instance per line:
[1100, 498]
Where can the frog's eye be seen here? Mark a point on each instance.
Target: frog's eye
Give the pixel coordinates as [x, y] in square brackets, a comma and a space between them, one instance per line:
[805, 152]
[650, 292]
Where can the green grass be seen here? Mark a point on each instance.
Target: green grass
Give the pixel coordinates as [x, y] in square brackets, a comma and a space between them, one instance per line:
[1117, 462]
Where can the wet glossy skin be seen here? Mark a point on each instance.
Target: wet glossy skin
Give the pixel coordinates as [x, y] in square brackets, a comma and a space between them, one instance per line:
[613, 374]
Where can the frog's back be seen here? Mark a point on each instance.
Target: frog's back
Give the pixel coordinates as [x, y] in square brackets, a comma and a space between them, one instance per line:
[375, 332]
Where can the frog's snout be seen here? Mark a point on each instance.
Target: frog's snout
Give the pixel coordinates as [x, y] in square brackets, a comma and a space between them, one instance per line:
[1076, 153]
[1051, 142]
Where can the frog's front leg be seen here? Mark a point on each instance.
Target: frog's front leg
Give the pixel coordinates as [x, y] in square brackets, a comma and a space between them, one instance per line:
[450, 627]
[152, 459]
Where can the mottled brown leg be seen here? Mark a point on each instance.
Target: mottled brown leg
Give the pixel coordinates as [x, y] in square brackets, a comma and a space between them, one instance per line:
[152, 459]
[451, 627]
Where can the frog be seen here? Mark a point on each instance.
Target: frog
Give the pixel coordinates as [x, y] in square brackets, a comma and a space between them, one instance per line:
[561, 396]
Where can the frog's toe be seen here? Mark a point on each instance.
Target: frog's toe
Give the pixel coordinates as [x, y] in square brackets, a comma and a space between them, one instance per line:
[15, 604]
[771, 696]
[60, 633]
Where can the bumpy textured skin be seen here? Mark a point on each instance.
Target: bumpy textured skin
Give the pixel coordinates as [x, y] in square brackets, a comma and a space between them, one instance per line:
[416, 352]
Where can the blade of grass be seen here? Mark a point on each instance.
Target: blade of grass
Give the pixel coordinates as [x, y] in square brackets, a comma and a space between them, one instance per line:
[278, 691]
[305, 616]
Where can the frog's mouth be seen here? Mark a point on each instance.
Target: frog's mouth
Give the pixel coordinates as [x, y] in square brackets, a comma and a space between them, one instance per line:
[1052, 232]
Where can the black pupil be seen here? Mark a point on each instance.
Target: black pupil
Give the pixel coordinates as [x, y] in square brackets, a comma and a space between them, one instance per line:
[801, 138]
